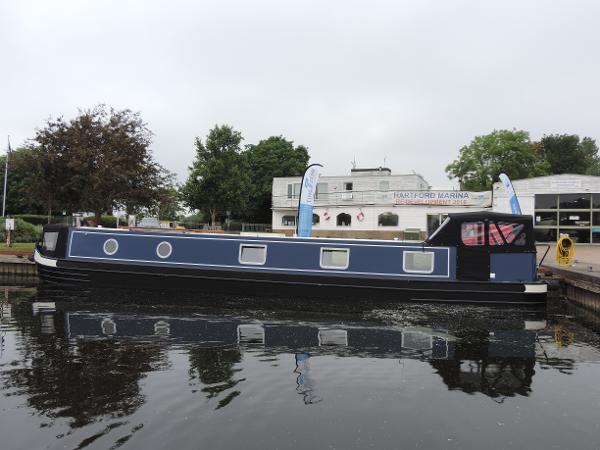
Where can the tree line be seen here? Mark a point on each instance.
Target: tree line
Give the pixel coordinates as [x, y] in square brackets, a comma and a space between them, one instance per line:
[514, 153]
[101, 161]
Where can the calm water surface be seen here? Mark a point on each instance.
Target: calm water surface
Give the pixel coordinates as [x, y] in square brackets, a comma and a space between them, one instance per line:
[96, 372]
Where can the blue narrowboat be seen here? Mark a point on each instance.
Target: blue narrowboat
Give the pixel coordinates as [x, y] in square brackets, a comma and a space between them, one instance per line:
[472, 257]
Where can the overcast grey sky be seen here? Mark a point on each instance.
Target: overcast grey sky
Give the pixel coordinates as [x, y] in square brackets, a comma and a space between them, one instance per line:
[410, 81]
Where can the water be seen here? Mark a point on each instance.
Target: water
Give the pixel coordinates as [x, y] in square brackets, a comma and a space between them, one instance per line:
[97, 372]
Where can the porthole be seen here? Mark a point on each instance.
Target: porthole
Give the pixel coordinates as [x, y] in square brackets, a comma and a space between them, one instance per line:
[164, 250]
[110, 246]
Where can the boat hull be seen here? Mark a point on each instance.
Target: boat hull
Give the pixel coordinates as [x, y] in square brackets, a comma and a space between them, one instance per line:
[331, 288]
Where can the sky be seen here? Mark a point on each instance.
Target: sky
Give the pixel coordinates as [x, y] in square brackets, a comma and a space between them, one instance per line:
[407, 83]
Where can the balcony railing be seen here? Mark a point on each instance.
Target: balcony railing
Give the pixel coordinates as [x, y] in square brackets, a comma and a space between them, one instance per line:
[341, 198]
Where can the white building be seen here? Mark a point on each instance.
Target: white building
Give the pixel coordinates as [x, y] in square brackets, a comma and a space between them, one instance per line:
[372, 203]
[563, 203]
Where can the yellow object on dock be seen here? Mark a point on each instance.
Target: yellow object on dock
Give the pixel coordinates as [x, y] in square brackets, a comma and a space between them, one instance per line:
[565, 251]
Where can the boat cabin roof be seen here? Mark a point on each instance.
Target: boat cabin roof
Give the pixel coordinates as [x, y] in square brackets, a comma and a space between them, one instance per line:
[497, 231]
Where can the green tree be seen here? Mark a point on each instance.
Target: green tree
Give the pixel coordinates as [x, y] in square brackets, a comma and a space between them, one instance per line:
[168, 207]
[567, 153]
[508, 151]
[272, 157]
[98, 161]
[19, 198]
[218, 180]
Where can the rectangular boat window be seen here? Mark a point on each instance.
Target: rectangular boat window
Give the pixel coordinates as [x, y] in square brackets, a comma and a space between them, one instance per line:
[418, 262]
[472, 233]
[50, 238]
[253, 254]
[494, 235]
[514, 233]
[335, 258]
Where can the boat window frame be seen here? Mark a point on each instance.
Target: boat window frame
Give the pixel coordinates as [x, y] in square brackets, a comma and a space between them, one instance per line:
[344, 249]
[116, 248]
[252, 263]
[170, 249]
[405, 270]
[49, 240]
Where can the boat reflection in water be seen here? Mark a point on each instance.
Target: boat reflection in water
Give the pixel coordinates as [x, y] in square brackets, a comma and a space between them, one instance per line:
[493, 353]
[77, 372]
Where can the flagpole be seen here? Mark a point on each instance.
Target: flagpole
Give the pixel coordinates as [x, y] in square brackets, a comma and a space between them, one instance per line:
[5, 179]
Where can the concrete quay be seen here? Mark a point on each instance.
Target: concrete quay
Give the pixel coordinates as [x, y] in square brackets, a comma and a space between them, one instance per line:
[17, 270]
[580, 280]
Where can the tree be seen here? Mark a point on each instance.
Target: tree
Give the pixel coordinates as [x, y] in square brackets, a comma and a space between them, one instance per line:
[508, 151]
[19, 198]
[168, 207]
[566, 153]
[97, 162]
[218, 180]
[272, 157]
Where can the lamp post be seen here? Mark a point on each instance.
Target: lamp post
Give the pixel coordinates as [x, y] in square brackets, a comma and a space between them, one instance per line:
[5, 179]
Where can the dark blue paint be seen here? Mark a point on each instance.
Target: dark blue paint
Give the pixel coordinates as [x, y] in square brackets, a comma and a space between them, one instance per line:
[513, 266]
[366, 257]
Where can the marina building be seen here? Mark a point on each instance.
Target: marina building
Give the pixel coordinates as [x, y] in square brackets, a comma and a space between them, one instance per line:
[376, 204]
[372, 203]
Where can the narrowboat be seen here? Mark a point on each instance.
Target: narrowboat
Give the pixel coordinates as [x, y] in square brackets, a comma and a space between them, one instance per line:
[481, 257]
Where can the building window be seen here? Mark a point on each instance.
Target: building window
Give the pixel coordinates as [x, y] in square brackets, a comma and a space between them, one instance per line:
[387, 220]
[288, 221]
[418, 262]
[574, 201]
[344, 220]
[434, 221]
[335, 258]
[316, 219]
[293, 190]
[322, 190]
[472, 233]
[574, 218]
[546, 201]
[348, 186]
[572, 214]
[253, 254]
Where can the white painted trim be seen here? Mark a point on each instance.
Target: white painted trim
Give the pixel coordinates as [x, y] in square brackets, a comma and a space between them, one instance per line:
[323, 266]
[42, 260]
[283, 239]
[536, 288]
[404, 269]
[262, 263]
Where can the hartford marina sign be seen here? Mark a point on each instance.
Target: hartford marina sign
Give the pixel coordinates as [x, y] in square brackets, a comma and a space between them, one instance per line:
[443, 198]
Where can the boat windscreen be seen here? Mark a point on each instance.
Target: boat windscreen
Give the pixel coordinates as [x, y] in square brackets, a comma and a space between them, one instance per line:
[443, 224]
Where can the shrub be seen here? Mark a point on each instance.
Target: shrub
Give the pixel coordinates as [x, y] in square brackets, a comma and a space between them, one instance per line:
[35, 219]
[23, 232]
[107, 221]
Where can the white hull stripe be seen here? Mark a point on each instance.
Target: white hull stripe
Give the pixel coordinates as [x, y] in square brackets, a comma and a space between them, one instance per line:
[42, 260]
[536, 288]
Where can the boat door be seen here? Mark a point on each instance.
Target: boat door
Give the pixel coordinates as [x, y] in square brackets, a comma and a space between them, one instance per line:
[472, 253]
